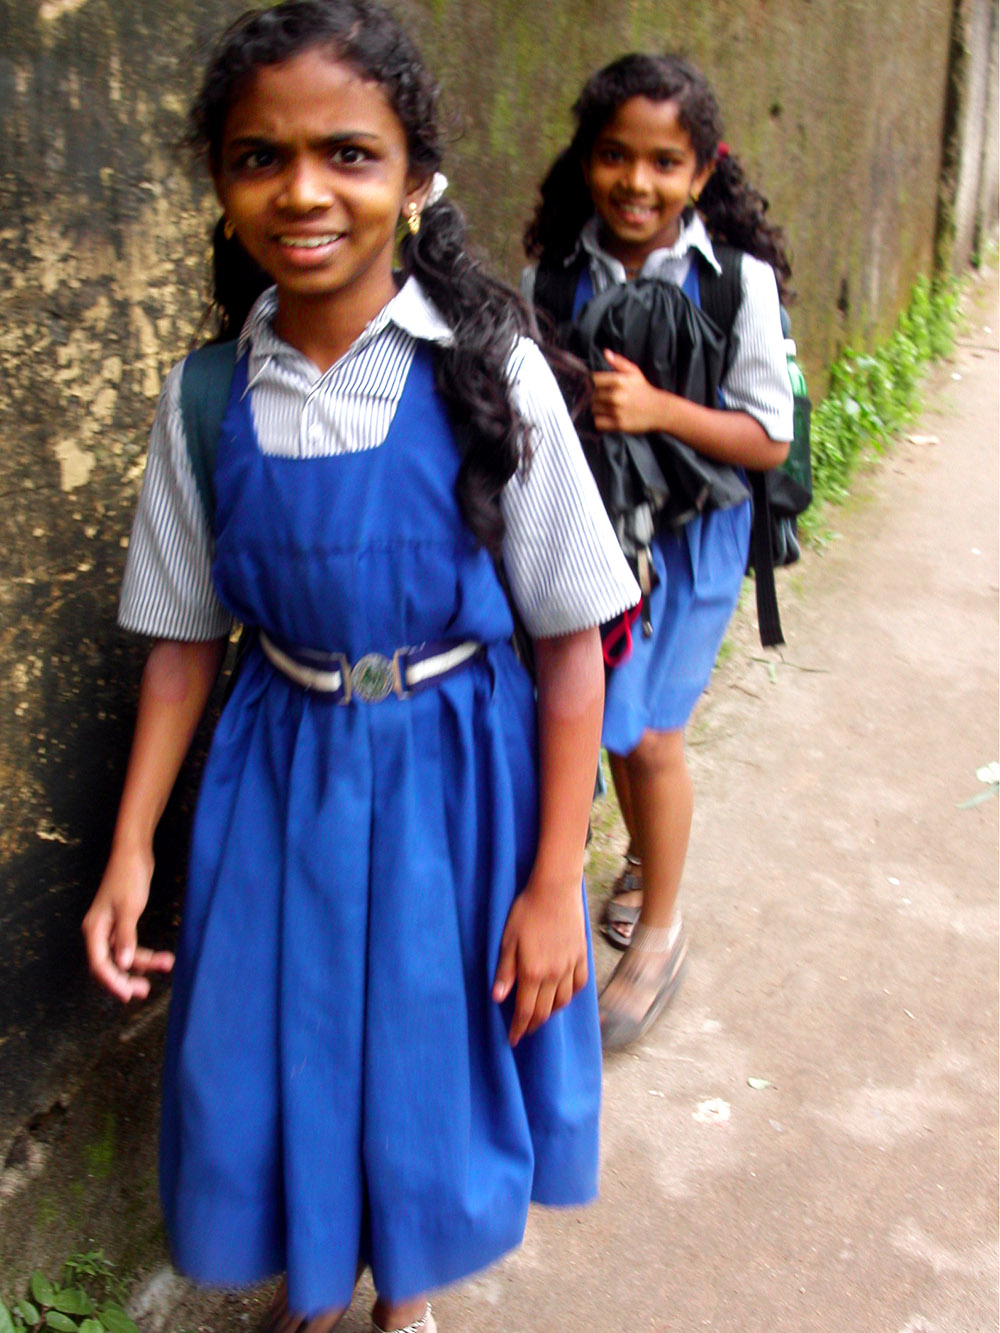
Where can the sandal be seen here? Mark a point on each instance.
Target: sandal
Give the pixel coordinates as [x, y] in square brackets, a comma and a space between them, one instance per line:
[629, 881]
[615, 916]
[425, 1324]
[619, 1028]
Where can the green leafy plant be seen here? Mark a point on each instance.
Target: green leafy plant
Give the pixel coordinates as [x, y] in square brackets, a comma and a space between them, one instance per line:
[873, 395]
[87, 1299]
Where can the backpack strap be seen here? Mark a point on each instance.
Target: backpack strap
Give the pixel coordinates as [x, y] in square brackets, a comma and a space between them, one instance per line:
[206, 382]
[555, 288]
[721, 294]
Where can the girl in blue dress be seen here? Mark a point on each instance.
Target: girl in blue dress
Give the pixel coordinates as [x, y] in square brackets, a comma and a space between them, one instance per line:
[383, 1039]
[643, 190]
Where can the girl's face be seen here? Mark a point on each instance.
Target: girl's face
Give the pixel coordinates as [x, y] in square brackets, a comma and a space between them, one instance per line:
[313, 174]
[641, 173]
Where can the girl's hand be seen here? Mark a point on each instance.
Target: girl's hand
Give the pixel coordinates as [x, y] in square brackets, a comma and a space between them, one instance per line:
[109, 928]
[543, 952]
[625, 400]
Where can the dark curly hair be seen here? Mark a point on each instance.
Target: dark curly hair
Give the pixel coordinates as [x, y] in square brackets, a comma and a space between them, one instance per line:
[487, 317]
[733, 210]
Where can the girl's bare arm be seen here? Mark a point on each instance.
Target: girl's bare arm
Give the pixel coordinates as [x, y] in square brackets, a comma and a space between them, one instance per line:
[625, 400]
[544, 949]
[176, 683]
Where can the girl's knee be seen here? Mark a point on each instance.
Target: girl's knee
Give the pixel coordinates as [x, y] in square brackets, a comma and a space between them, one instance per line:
[657, 751]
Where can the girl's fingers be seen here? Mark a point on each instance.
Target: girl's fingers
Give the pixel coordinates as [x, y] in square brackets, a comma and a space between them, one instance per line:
[148, 960]
[127, 983]
[544, 1006]
[580, 973]
[618, 362]
[562, 994]
[524, 1009]
[97, 934]
[506, 973]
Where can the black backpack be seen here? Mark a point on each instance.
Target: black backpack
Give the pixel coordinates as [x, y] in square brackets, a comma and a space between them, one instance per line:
[779, 495]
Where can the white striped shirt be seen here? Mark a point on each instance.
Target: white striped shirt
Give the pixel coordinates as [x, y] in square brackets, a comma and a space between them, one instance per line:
[757, 380]
[564, 566]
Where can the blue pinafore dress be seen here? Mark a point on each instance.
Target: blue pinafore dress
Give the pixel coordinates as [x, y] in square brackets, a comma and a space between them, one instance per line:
[339, 1086]
[700, 567]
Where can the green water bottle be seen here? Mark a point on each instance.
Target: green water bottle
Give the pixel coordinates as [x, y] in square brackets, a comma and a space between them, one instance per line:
[798, 465]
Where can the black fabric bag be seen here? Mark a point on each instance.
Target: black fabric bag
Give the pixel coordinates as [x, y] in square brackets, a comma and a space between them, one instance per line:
[653, 481]
[779, 495]
[678, 348]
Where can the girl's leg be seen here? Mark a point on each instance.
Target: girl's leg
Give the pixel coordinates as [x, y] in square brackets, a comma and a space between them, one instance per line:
[402, 1315]
[621, 909]
[661, 801]
[280, 1319]
[619, 776]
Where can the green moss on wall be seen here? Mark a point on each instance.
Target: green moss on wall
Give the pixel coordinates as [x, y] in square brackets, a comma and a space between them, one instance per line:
[836, 105]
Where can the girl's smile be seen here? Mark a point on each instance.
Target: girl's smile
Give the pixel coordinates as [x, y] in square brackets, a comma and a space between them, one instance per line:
[313, 174]
[642, 172]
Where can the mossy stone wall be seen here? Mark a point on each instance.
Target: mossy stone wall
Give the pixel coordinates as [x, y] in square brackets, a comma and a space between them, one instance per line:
[838, 107]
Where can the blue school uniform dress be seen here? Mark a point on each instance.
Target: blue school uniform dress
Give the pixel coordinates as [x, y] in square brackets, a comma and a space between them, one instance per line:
[339, 1086]
[700, 567]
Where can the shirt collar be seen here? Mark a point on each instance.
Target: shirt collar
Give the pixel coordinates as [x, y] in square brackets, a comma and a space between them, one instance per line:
[693, 236]
[411, 310]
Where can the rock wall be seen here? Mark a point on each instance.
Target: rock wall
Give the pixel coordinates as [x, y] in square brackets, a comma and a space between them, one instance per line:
[838, 107]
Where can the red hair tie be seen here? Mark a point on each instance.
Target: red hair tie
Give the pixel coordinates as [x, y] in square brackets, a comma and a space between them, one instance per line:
[721, 152]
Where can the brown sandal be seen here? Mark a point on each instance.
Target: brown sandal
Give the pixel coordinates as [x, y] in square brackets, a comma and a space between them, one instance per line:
[615, 914]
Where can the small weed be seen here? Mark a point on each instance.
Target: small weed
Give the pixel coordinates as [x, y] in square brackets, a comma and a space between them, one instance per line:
[872, 396]
[726, 650]
[87, 1299]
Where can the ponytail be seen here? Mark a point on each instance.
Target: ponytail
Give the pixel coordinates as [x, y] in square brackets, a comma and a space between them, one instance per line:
[487, 319]
[237, 282]
[735, 212]
[564, 208]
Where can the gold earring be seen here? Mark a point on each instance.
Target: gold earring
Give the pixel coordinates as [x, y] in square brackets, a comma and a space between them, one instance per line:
[228, 229]
[413, 218]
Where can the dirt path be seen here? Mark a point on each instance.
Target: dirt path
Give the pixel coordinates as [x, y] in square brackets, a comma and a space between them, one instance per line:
[843, 916]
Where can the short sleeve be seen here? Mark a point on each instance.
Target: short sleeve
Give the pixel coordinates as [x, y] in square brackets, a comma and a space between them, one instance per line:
[564, 565]
[167, 591]
[757, 381]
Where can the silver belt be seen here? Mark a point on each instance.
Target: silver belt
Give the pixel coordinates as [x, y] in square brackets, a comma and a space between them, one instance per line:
[373, 677]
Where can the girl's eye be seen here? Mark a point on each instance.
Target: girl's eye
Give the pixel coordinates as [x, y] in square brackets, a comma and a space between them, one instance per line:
[610, 156]
[255, 159]
[349, 155]
[666, 163]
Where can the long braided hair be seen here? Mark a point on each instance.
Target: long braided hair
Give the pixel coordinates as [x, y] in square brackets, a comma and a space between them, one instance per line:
[732, 209]
[486, 316]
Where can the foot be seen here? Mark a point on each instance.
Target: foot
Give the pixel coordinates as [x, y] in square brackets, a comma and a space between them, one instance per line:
[643, 984]
[390, 1318]
[280, 1319]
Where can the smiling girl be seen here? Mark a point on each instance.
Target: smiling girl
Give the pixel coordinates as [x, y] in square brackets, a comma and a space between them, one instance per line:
[647, 189]
[383, 1039]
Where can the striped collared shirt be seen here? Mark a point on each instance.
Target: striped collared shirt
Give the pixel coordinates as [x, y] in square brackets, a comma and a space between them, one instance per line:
[564, 566]
[757, 380]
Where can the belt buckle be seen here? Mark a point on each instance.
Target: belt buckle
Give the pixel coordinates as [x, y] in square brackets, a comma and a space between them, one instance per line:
[373, 678]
